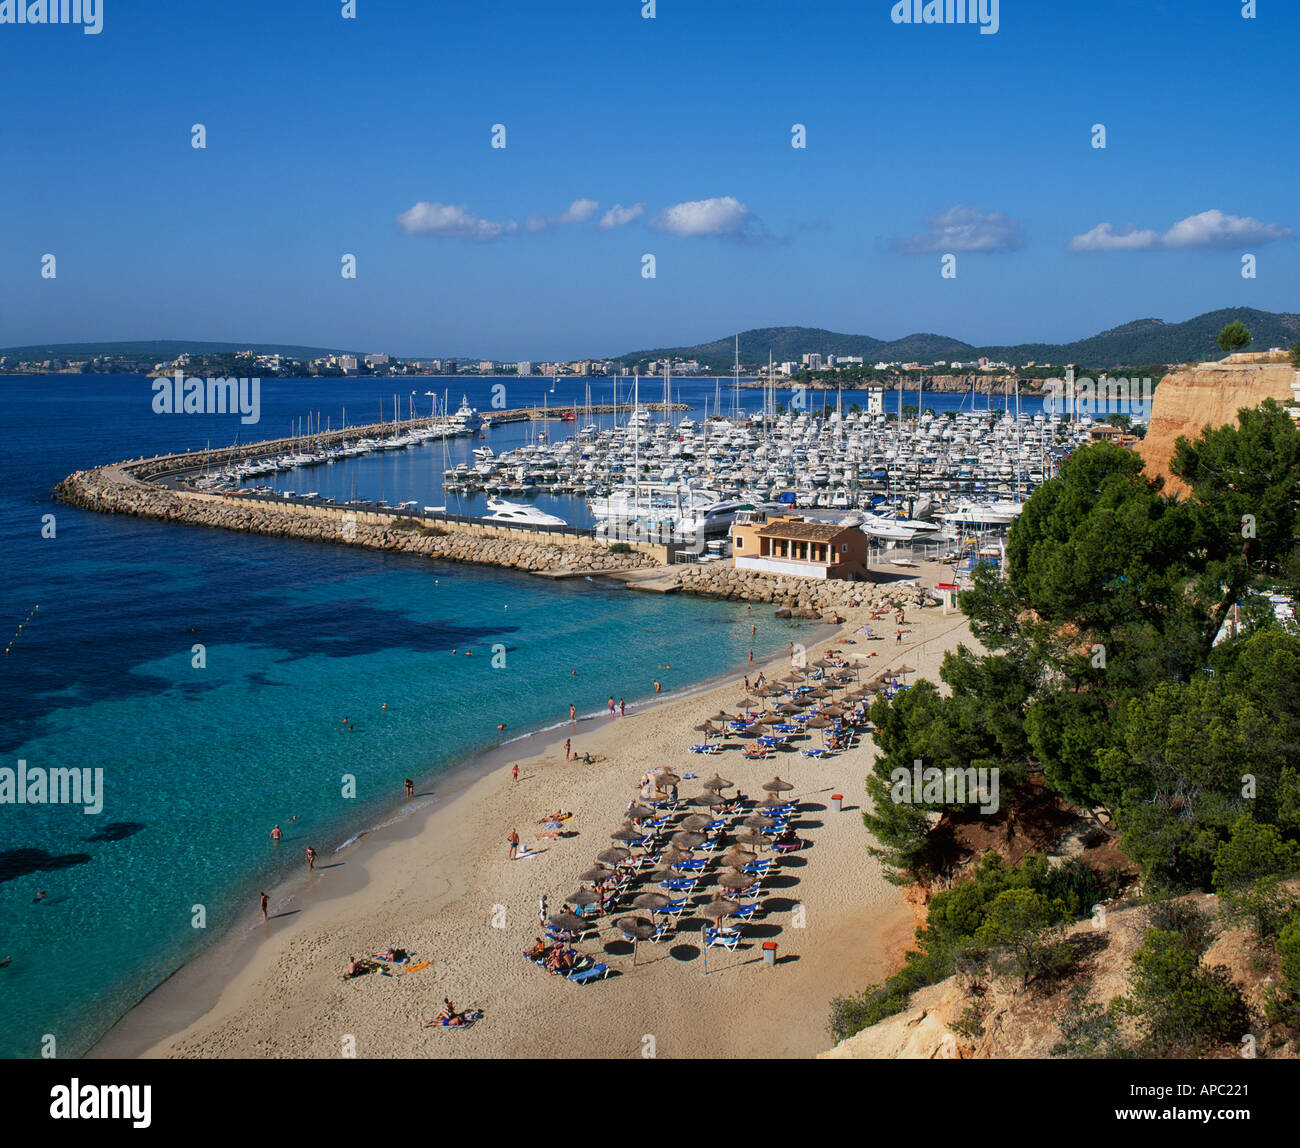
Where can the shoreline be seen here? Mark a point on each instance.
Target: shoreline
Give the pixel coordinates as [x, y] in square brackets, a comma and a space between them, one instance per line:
[435, 882]
[156, 1016]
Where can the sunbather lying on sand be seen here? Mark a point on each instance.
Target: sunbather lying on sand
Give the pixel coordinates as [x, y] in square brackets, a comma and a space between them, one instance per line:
[447, 1016]
[390, 954]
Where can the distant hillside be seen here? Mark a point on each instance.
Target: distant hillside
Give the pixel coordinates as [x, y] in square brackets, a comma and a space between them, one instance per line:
[159, 350]
[1132, 344]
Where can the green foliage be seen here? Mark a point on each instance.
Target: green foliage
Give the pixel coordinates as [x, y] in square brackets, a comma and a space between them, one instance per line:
[1021, 921]
[1295, 354]
[1234, 337]
[620, 548]
[948, 940]
[1179, 915]
[1089, 1031]
[1180, 1007]
[970, 1023]
[1282, 1001]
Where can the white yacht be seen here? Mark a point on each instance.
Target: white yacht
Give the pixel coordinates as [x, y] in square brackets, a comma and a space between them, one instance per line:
[518, 512]
[466, 416]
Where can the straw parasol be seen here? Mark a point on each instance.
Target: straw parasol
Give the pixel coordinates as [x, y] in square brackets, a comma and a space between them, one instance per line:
[631, 836]
[650, 901]
[790, 709]
[751, 837]
[640, 812]
[688, 840]
[566, 922]
[736, 880]
[666, 778]
[772, 800]
[583, 897]
[716, 782]
[716, 910]
[776, 785]
[695, 822]
[762, 691]
[736, 856]
[758, 821]
[613, 855]
[639, 929]
[597, 874]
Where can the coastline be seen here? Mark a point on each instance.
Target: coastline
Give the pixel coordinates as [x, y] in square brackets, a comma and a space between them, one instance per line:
[434, 881]
[191, 989]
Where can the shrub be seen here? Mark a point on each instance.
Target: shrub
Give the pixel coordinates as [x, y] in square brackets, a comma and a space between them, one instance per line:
[1180, 1007]
[620, 548]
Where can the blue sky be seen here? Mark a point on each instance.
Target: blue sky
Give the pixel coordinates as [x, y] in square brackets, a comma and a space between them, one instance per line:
[324, 132]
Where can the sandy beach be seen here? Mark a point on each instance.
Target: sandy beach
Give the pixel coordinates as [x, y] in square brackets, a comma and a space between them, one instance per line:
[446, 891]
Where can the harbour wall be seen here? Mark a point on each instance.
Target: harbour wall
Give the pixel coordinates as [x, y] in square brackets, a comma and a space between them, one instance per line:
[114, 490]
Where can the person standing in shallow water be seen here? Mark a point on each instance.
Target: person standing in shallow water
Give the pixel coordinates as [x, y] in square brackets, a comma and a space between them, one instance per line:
[311, 858]
[276, 833]
[265, 902]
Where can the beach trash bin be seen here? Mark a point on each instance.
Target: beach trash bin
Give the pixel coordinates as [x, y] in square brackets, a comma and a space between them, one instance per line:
[837, 801]
[769, 952]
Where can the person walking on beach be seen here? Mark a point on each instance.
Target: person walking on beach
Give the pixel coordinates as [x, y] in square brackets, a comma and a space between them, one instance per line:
[751, 657]
[409, 786]
[753, 631]
[513, 842]
[656, 687]
[514, 773]
[265, 901]
[898, 637]
[573, 713]
[622, 709]
[541, 911]
[276, 833]
[568, 748]
[311, 859]
[792, 651]
[611, 705]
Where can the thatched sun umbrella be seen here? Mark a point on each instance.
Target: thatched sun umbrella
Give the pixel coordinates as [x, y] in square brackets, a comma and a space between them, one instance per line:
[628, 836]
[637, 929]
[735, 857]
[650, 901]
[820, 723]
[583, 897]
[790, 709]
[665, 779]
[695, 822]
[640, 813]
[751, 837]
[716, 910]
[566, 922]
[613, 855]
[758, 821]
[600, 873]
[776, 785]
[734, 879]
[688, 840]
[716, 782]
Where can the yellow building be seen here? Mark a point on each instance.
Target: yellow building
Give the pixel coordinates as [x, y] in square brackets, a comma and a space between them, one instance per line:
[793, 545]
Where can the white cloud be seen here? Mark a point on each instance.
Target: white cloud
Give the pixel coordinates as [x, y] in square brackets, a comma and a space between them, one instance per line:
[618, 215]
[580, 210]
[1207, 229]
[451, 220]
[724, 215]
[964, 229]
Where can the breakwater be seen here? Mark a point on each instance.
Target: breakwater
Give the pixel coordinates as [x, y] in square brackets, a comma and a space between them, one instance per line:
[115, 490]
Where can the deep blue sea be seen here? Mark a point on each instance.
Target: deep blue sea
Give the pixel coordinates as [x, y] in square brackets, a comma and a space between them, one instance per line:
[200, 761]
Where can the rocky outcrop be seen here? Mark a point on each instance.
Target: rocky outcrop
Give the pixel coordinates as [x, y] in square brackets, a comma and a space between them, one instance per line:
[1012, 1022]
[1210, 395]
[113, 490]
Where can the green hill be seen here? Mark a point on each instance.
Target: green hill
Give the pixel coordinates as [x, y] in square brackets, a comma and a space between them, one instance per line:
[1132, 344]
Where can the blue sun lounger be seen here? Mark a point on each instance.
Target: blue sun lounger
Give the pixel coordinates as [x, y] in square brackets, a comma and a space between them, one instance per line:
[596, 972]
